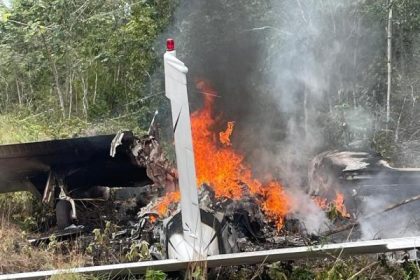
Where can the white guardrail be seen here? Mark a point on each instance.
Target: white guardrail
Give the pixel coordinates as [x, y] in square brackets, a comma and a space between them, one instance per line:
[258, 257]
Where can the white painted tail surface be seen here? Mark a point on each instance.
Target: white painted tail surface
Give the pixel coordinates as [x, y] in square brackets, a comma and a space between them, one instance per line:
[189, 246]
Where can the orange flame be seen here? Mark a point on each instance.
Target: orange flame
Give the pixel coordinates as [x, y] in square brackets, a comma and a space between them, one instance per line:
[224, 136]
[276, 205]
[339, 205]
[321, 202]
[163, 206]
[225, 170]
[152, 219]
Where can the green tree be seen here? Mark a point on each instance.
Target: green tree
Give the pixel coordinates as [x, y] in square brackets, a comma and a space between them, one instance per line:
[89, 59]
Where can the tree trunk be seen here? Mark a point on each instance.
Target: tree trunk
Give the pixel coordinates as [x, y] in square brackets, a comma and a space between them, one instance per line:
[76, 101]
[355, 59]
[7, 93]
[18, 92]
[389, 64]
[70, 93]
[96, 88]
[84, 99]
[56, 77]
[305, 111]
[59, 92]
[397, 129]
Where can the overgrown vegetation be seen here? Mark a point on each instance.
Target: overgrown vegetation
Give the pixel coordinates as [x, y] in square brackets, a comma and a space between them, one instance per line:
[68, 67]
[365, 267]
[22, 209]
[17, 255]
[23, 126]
[74, 68]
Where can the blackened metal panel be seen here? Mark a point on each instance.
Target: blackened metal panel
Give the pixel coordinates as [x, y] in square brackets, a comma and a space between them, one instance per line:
[84, 162]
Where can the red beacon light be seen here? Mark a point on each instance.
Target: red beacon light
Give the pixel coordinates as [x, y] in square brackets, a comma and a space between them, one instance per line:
[170, 45]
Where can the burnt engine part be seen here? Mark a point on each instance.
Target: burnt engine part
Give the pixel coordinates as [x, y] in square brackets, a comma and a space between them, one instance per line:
[63, 211]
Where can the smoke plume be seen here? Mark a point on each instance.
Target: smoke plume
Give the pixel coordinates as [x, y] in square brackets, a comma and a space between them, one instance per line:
[384, 193]
[280, 68]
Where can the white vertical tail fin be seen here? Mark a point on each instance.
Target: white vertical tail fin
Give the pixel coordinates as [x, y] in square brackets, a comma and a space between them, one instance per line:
[190, 244]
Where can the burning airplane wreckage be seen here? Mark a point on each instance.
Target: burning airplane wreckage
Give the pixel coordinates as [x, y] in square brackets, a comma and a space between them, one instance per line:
[231, 211]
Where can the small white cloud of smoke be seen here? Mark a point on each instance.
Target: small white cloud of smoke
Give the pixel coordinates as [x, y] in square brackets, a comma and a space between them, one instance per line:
[304, 209]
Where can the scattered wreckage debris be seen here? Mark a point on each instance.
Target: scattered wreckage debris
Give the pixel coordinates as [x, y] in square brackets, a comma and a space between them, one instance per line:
[60, 235]
[231, 213]
[359, 174]
[374, 191]
[354, 224]
[121, 205]
[82, 169]
[241, 224]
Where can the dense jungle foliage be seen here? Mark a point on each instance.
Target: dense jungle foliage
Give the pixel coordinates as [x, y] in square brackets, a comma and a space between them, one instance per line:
[70, 68]
[67, 64]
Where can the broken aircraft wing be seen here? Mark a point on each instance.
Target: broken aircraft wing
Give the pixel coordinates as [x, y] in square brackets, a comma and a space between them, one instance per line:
[80, 162]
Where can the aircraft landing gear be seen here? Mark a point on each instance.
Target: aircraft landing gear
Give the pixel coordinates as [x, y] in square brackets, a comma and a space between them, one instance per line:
[63, 214]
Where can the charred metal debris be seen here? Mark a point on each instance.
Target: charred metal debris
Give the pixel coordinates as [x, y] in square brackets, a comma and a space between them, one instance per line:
[127, 226]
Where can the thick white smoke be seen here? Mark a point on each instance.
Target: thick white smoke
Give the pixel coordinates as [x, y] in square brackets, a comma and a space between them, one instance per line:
[288, 73]
[385, 192]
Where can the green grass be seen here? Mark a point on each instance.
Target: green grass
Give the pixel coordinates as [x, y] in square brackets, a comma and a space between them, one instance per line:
[24, 126]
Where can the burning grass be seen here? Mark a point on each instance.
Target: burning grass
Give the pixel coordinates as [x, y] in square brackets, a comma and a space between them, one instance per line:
[336, 205]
